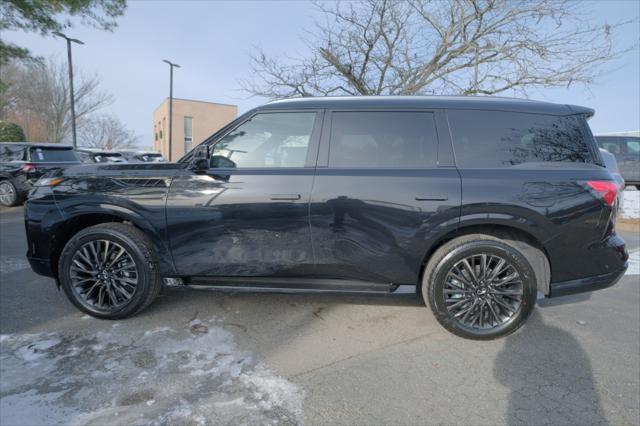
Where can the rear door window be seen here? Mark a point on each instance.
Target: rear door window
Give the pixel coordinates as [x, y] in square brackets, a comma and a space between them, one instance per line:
[52, 154]
[497, 139]
[382, 139]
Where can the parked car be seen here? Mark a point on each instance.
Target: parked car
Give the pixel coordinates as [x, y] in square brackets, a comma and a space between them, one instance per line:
[476, 204]
[626, 149]
[96, 155]
[612, 165]
[21, 164]
[137, 156]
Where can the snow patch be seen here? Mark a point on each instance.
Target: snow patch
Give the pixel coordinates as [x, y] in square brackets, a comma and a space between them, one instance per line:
[184, 375]
[9, 264]
[634, 263]
[630, 205]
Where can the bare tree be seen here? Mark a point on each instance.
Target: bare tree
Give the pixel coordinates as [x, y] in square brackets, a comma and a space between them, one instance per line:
[39, 90]
[106, 132]
[377, 47]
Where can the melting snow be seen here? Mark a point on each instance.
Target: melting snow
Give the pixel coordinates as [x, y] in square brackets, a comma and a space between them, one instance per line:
[634, 263]
[192, 375]
[630, 205]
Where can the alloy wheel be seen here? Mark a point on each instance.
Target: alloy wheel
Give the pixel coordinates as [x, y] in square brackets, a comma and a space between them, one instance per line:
[7, 194]
[103, 275]
[483, 291]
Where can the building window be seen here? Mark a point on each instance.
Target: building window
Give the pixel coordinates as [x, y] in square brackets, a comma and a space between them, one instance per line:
[188, 134]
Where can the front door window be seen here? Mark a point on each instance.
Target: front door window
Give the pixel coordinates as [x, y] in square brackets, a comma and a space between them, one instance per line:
[266, 140]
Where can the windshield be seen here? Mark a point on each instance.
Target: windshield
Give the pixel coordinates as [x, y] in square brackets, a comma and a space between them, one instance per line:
[40, 154]
[109, 158]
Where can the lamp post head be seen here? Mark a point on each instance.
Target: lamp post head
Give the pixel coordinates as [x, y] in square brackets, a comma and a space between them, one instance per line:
[72, 40]
[171, 64]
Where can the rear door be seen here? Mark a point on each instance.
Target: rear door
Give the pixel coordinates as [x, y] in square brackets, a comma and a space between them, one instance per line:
[385, 189]
[248, 216]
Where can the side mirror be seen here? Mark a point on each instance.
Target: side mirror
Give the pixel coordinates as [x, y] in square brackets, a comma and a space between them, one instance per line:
[200, 161]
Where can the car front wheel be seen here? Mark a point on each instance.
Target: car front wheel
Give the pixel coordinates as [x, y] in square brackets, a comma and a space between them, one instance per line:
[480, 287]
[8, 194]
[110, 271]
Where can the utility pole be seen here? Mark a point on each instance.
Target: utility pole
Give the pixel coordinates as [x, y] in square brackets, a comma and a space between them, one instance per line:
[71, 96]
[171, 66]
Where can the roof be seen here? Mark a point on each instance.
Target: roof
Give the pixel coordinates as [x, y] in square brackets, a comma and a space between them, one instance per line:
[40, 144]
[96, 150]
[430, 102]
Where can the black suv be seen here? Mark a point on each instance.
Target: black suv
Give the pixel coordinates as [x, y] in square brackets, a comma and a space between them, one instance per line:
[22, 164]
[477, 204]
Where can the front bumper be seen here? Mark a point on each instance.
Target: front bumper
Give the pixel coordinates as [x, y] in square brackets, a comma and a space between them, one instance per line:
[582, 285]
[41, 266]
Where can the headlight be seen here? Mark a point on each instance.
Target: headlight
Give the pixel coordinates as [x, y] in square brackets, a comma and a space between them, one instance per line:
[49, 181]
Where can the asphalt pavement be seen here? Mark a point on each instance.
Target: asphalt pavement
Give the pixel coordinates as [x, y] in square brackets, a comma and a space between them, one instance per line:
[206, 357]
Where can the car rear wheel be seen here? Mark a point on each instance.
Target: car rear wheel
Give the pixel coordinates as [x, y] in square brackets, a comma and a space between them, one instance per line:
[110, 271]
[479, 287]
[8, 194]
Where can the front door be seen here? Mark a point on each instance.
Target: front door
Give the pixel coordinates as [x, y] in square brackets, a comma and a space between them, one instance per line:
[248, 215]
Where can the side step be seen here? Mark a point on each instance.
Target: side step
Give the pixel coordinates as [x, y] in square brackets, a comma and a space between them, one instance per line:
[289, 285]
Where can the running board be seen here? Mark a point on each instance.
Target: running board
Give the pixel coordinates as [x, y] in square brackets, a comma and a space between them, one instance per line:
[289, 285]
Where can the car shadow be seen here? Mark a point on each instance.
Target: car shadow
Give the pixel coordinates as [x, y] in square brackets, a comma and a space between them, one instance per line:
[549, 377]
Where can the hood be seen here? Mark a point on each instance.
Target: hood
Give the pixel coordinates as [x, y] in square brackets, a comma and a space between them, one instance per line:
[123, 169]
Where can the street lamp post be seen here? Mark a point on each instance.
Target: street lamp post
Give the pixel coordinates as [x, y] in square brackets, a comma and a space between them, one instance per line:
[72, 101]
[171, 66]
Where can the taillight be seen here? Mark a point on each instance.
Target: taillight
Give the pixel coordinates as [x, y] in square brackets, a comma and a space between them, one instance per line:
[28, 167]
[606, 189]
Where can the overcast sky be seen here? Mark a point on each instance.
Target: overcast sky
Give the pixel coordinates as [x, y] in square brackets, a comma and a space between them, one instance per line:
[211, 41]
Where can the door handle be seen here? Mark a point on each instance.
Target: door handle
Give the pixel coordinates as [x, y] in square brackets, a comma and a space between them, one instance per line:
[285, 197]
[435, 197]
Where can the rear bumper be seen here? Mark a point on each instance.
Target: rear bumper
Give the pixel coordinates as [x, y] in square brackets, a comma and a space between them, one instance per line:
[597, 282]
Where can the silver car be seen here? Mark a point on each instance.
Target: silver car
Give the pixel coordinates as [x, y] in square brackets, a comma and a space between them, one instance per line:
[626, 149]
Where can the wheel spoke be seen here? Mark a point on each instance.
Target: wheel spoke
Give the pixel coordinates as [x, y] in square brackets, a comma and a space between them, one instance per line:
[494, 313]
[458, 303]
[516, 292]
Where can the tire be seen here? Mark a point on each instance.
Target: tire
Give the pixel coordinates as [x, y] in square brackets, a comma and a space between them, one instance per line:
[8, 193]
[490, 308]
[638, 187]
[114, 279]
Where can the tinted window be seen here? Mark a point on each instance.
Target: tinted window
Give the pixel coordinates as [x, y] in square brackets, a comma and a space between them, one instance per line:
[109, 157]
[150, 158]
[84, 157]
[9, 152]
[488, 139]
[633, 146]
[52, 154]
[266, 140]
[613, 145]
[382, 139]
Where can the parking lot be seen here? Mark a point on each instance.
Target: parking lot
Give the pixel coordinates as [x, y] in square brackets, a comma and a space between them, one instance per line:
[206, 357]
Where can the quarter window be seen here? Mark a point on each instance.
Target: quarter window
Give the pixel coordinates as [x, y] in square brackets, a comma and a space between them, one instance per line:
[379, 139]
[496, 139]
[267, 140]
